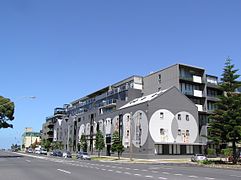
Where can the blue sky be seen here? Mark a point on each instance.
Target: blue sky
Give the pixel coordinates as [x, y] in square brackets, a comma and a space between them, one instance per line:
[62, 50]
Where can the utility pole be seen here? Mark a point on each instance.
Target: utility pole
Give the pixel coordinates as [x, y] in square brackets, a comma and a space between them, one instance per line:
[131, 147]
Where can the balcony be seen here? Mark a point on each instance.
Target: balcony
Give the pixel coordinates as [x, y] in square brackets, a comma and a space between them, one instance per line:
[196, 93]
[193, 79]
[200, 107]
[212, 98]
[108, 103]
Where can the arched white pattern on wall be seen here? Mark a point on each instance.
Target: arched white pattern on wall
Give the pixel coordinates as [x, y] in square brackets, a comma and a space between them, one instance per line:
[165, 127]
[139, 128]
[81, 130]
[187, 127]
[108, 126]
[160, 126]
[126, 130]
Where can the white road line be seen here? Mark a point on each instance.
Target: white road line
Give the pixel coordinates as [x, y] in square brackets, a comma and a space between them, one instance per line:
[193, 176]
[162, 178]
[97, 168]
[177, 174]
[110, 170]
[127, 173]
[136, 169]
[144, 170]
[165, 173]
[235, 176]
[209, 178]
[127, 168]
[28, 161]
[64, 171]
[103, 169]
[137, 175]
[149, 176]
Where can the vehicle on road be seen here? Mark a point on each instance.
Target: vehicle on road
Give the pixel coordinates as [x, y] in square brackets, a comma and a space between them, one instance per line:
[198, 157]
[67, 154]
[43, 151]
[83, 155]
[57, 153]
[30, 150]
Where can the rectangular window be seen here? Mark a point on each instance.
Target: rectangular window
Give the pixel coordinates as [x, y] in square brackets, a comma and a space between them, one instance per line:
[161, 115]
[179, 132]
[162, 131]
[179, 116]
[140, 116]
[128, 133]
[187, 117]
[128, 118]
[159, 78]
[187, 133]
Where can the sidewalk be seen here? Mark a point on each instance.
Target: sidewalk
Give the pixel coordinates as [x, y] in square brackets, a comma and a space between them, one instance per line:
[135, 160]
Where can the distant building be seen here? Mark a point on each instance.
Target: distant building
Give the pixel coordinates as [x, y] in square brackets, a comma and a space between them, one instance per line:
[29, 137]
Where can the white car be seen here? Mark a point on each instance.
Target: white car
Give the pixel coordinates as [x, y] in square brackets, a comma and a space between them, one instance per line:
[43, 151]
[198, 157]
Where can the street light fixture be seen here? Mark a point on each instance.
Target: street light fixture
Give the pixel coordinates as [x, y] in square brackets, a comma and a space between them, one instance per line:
[24, 97]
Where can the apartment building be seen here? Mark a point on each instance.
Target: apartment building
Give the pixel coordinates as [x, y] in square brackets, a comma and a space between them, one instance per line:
[169, 121]
[48, 132]
[29, 137]
[202, 89]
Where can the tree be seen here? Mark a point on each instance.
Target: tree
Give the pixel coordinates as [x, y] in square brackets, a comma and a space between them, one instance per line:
[225, 125]
[6, 112]
[99, 142]
[57, 145]
[46, 144]
[117, 144]
[83, 143]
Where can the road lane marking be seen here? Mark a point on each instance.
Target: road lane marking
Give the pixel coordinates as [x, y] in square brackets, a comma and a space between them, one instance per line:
[110, 170]
[28, 161]
[127, 173]
[64, 171]
[162, 178]
[165, 173]
[193, 176]
[177, 174]
[137, 175]
[103, 169]
[149, 176]
[127, 168]
[235, 176]
[209, 178]
[136, 169]
[144, 170]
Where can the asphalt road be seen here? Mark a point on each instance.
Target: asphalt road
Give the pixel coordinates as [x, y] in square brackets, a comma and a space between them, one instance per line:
[17, 167]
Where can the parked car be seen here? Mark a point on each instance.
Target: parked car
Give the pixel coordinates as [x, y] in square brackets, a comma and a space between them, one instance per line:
[67, 154]
[198, 157]
[57, 153]
[43, 151]
[30, 150]
[83, 155]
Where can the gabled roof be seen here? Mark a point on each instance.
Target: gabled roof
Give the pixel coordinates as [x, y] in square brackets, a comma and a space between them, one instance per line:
[143, 99]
